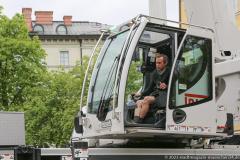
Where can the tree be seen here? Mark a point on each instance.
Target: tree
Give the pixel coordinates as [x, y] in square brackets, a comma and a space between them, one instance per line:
[20, 62]
[50, 112]
[135, 78]
[52, 107]
[50, 100]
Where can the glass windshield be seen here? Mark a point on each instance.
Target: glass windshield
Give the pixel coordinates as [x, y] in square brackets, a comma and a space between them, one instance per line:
[103, 79]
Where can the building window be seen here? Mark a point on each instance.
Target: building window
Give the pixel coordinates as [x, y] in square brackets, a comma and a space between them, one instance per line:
[38, 28]
[64, 58]
[61, 29]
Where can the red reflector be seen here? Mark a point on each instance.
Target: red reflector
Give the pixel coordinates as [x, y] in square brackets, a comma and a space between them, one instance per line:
[221, 127]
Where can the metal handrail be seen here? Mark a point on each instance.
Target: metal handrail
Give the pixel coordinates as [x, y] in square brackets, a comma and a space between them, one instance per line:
[176, 22]
[89, 64]
[120, 61]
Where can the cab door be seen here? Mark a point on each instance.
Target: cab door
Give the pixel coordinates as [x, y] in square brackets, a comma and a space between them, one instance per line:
[104, 116]
[191, 105]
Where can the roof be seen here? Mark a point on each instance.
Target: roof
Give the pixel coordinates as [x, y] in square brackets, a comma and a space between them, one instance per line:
[76, 28]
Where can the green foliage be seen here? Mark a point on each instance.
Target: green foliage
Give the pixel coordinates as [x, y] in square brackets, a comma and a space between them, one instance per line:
[135, 78]
[20, 62]
[50, 100]
[1, 8]
[51, 108]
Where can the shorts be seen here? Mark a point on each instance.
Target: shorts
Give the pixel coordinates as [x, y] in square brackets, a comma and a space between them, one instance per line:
[161, 99]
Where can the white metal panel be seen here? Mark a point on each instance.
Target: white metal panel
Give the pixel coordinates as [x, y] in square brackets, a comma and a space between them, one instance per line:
[157, 8]
[12, 129]
[216, 14]
[227, 67]
[55, 152]
[152, 151]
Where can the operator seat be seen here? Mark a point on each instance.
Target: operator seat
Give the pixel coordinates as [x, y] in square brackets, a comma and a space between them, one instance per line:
[156, 116]
[147, 88]
[147, 83]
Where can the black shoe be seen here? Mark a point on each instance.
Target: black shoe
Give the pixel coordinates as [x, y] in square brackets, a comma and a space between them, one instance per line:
[160, 123]
[132, 121]
[138, 119]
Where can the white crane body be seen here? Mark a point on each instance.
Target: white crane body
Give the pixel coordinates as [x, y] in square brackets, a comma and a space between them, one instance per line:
[203, 96]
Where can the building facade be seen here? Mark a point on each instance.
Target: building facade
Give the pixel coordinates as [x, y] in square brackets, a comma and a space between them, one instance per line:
[66, 41]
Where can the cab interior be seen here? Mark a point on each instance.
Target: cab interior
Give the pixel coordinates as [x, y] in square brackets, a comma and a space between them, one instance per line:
[143, 65]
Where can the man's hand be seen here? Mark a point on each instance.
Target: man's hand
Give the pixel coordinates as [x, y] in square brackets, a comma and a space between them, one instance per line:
[136, 96]
[162, 85]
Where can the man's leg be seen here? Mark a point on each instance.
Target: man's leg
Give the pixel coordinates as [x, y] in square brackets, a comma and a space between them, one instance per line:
[137, 110]
[147, 101]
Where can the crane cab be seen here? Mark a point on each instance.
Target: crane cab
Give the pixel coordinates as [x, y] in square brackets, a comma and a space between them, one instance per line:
[125, 66]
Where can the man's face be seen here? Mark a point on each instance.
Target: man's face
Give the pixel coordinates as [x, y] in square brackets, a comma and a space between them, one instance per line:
[160, 65]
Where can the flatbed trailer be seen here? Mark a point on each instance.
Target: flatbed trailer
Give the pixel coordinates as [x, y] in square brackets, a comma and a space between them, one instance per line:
[228, 153]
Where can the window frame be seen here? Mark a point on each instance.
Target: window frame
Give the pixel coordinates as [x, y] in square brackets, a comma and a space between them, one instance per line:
[91, 107]
[60, 26]
[64, 53]
[208, 67]
[38, 31]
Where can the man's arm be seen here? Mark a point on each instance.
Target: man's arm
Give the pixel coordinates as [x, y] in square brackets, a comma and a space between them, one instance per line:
[163, 85]
[164, 82]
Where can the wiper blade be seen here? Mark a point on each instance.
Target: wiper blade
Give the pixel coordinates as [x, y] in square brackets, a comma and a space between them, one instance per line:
[105, 102]
[102, 109]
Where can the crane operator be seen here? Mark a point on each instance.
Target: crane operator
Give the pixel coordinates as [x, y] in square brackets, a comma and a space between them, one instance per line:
[160, 83]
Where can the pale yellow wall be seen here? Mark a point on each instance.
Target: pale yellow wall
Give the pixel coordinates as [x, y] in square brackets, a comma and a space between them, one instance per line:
[182, 13]
[53, 48]
[87, 46]
[238, 4]
[238, 15]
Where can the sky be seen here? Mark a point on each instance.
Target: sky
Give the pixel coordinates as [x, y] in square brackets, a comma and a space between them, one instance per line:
[111, 12]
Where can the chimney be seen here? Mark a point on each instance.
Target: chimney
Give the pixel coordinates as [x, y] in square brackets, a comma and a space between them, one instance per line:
[44, 17]
[27, 13]
[67, 20]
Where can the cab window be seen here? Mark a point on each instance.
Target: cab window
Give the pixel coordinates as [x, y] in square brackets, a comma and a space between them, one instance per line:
[192, 77]
[104, 73]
